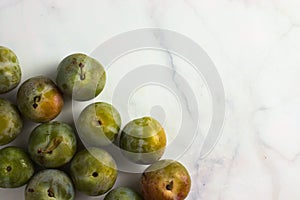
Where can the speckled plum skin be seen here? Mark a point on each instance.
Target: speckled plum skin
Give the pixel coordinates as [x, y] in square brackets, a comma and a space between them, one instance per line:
[10, 122]
[99, 124]
[80, 77]
[52, 144]
[15, 167]
[50, 184]
[143, 140]
[39, 99]
[10, 71]
[123, 193]
[93, 171]
[165, 180]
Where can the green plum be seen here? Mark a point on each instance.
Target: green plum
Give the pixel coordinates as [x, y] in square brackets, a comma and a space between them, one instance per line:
[93, 171]
[165, 180]
[123, 193]
[52, 144]
[50, 184]
[99, 124]
[10, 122]
[10, 71]
[80, 77]
[143, 140]
[15, 167]
[39, 99]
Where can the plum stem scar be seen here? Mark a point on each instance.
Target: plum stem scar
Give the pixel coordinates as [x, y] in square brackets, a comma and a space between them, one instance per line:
[82, 75]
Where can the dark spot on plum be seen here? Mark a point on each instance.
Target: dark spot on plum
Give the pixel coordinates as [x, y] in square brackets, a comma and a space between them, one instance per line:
[8, 168]
[50, 192]
[95, 174]
[35, 100]
[99, 122]
[170, 186]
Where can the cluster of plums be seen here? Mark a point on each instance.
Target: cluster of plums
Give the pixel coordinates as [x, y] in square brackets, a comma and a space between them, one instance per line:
[53, 144]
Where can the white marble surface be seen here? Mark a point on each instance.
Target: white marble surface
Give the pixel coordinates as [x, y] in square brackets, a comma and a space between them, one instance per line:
[254, 45]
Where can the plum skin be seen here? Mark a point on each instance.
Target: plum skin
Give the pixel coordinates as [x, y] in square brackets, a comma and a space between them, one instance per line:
[81, 77]
[11, 123]
[165, 180]
[99, 124]
[39, 99]
[16, 168]
[143, 140]
[93, 171]
[52, 144]
[50, 184]
[10, 71]
[122, 193]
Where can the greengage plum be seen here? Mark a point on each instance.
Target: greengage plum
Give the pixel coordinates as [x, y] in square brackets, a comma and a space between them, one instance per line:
[16, 168]
[93, 171]
[50, 184]
[11, 122]
[10, 71]
[52, 144]
[99, 124]
[122, 193]
[39, 99]
[143, 140]
[165, 180]
[81, 77]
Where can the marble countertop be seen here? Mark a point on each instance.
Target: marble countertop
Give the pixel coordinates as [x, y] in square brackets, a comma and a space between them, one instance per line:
[220, 75]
